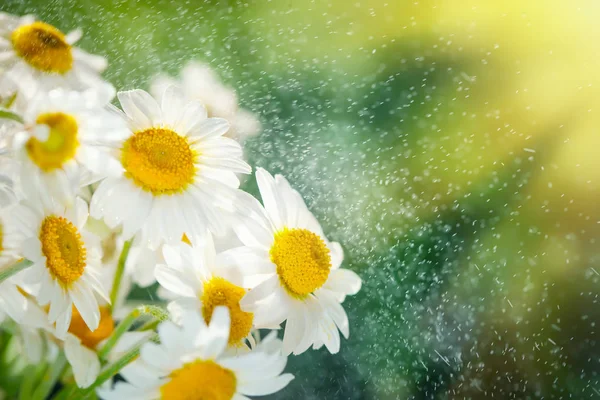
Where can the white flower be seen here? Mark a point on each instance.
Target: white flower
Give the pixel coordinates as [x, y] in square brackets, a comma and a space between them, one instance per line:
[178, 171]
[66, 260]
[199, 82]
[191, 362]
[61, 149]
[299, 269]
[201, 280]
[37, 55]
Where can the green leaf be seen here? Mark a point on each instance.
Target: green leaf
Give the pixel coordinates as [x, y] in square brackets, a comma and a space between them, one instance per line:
[6, 114]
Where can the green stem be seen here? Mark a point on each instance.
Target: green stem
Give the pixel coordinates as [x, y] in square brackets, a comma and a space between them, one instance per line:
[119, 272]
[5, 114]
[112, 370]
[157, 313]
[30, 376]
[14, 269]
[119, 331]
[150, 325]
[51, 376]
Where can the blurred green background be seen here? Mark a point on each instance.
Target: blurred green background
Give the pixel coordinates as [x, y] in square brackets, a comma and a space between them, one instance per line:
[450, 146]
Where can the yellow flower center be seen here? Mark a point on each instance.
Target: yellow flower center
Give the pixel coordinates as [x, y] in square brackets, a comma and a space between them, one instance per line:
[219, 292]
[43, 47]
[200, 380]
[64, 249]
[88, 338]
[302, 259]
[61, 144]
[159, 161]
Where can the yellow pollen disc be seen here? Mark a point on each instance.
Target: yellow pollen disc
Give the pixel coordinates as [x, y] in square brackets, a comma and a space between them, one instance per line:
[219, 292]
[186, 240]
[88, 338]
[200, 380]
[302, 259]
[64, 249]
[159, 161]
[43, 47]
[61, 144]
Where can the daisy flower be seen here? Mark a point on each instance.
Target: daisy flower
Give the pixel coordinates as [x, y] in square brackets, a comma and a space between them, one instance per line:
[199, 82]
[36, 54]
[66, 260]
[191, 362]
[60, 148]
[200, 280]
[178, 171]
[301, 281]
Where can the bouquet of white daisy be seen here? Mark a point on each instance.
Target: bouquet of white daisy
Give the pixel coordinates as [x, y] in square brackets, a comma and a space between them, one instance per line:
[95, 199]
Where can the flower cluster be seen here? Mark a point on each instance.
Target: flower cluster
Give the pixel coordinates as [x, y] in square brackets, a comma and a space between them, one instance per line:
[95, 199]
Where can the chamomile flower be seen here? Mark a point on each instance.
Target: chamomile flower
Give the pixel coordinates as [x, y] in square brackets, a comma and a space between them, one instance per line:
[178, 171]
[191, 362]
[36, 54]
[60, 148]
[301, 279]
[12, 301]
[200, 280]
[66, 260]
[200, 82]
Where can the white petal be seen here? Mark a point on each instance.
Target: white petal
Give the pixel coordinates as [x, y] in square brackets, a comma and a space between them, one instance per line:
[174, 280]
[265, 386]
[192, 115]
[217, 335]
[343, 281]
[156, 356]
[140, 107]
[32, 249]
[84, 362]
[62, 323]
[209, 128]
[73, 36]
[86, 304]
[274, 206]
[172, 105]
[265, 289]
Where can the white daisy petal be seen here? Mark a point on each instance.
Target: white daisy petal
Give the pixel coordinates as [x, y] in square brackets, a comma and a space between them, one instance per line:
[140, 107]
[260, 292]
[264, 387]
[217, 335]
[209, 128]
[84, 362]
[174, 280]
[172, 105]
[274, 206]
[86, 304]
[344, 281]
